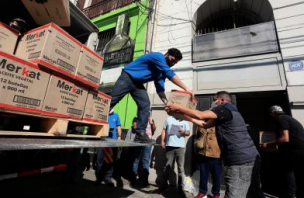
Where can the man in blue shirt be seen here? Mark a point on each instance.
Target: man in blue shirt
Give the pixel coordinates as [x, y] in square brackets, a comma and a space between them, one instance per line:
[149, 67]
[114, 125]
[105, 157]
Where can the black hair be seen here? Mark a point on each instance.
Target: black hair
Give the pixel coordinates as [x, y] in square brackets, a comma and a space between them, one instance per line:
[224, 94]
[176, 53]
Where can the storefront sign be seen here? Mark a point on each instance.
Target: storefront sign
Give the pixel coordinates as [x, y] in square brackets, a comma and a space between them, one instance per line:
[118, 58]
[296, 65]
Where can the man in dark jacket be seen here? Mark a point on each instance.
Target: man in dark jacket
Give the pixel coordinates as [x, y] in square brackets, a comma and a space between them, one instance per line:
[291, 144]
[240, 156]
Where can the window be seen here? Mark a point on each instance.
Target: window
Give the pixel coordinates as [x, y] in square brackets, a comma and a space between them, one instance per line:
[104, 37]
[227, 19]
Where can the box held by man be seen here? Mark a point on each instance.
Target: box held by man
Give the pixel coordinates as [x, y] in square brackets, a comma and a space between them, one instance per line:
[184, 99]
[266, 137]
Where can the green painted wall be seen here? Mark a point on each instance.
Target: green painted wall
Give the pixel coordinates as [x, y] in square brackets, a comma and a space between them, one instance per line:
[138, 16]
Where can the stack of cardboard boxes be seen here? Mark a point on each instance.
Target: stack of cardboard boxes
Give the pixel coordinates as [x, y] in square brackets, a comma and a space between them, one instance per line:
[50, 74]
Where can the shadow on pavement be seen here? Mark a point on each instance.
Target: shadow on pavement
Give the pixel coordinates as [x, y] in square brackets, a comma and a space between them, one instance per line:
[51, 185]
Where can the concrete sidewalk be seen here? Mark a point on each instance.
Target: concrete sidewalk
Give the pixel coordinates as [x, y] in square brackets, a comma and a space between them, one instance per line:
[52, 185]
[126, 191]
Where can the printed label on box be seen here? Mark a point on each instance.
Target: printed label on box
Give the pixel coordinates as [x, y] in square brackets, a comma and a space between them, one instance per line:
[89, 67]
[64, 98]
[22, 84]
[51, 47]
[97, 107]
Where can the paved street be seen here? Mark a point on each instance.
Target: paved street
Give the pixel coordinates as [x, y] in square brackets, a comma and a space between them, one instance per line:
[51, 185]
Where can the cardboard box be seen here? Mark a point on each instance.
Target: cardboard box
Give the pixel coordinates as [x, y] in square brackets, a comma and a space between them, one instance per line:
[52, 11]
[97, 107]
[64, 99]
[22, 84]
[51, 47]
[266, 137]
[184, 99]
[8, 38]
[89, 67]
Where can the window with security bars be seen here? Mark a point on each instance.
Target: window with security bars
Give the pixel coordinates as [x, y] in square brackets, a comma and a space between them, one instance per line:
[104, 37]
[227, 19]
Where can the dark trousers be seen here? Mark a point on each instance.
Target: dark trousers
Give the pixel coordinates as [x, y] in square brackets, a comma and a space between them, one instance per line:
[104, 171]
[143, 153]
[288, 188]
[126, 85]
[210, 165]
[178, 154]
[297, 164]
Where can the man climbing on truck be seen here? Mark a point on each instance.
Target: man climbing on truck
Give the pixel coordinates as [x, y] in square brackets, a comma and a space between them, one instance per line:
[153, 66]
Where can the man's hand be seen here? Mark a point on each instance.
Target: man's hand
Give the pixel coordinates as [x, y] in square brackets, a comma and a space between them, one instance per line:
[263, 146]
[181, 131]
[200, 123]
[192, 94]
[163, 145]
[269, 147]
[170, 108]
[119, 138]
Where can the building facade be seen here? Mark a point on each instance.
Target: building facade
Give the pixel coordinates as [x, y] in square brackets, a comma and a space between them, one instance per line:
[251, 48]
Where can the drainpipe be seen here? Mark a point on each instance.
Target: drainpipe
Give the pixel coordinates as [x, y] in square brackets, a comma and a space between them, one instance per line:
[154, 2]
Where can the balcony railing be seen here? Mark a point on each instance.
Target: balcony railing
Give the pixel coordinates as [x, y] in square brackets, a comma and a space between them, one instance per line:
[105, 6]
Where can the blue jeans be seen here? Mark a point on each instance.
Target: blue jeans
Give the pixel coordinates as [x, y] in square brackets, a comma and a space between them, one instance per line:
[178, 154]
[144, 153]
[244, 180]
[214, 166]
[103, 170]
[126, 85]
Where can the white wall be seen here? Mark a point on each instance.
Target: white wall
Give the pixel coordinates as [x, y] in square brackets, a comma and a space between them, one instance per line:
[173, 27]
[290, 27]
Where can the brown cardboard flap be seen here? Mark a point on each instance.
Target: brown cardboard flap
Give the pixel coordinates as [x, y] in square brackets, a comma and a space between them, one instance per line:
[56, 11]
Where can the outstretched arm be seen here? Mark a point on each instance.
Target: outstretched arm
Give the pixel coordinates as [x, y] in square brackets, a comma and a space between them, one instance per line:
[179, 83]
[201, 115]
[201, 123]
[175, 79]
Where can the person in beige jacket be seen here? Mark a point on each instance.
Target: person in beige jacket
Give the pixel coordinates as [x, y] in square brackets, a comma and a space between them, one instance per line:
[206, 146]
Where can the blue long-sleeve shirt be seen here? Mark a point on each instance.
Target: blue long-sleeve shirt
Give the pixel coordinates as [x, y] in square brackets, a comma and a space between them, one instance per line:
[150, 67]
